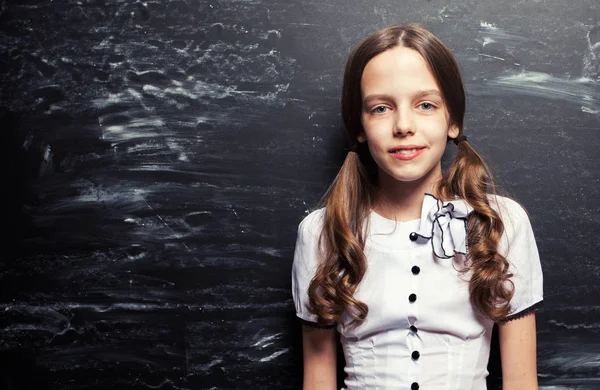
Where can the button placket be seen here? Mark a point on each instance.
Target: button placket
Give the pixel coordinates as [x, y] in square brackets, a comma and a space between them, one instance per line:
[414, 340]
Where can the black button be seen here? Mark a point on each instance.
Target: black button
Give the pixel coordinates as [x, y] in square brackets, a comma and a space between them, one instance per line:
[414, 386]
[415, 270]
[412, 297]
[416, 355]
[413, 328]
[413, 236]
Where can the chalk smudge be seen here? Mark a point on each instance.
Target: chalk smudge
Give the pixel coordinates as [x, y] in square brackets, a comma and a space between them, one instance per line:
[581, 91]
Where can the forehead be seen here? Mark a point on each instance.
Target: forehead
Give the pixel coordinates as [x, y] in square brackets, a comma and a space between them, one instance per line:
[397, 71]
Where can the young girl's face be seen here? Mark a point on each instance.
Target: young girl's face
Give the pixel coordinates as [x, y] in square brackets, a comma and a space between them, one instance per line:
[404, 117]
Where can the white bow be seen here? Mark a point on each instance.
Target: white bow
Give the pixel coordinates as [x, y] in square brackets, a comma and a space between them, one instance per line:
[445, 223]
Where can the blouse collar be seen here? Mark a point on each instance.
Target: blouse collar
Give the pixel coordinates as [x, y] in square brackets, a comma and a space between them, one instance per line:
[445, 224]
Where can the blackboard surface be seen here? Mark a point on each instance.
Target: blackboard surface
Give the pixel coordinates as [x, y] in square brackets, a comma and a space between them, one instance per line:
[158, 156]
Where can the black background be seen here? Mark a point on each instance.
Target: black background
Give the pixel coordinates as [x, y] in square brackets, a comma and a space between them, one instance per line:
[157, 157]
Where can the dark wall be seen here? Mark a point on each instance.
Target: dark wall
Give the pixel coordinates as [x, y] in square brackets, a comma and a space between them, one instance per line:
[157, 157]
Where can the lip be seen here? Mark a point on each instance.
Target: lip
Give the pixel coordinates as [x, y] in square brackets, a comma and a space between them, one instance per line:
[405, 157]
[406, 147]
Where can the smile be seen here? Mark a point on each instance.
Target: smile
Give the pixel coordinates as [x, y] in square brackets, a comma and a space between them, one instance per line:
[406, 154]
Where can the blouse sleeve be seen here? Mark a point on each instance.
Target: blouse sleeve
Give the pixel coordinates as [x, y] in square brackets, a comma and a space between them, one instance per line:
[304, 267]
[520, 249]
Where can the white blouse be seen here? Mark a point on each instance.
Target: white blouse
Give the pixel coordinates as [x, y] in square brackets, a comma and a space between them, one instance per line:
[421, 331]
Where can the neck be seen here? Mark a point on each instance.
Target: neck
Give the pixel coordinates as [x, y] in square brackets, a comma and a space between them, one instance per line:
[402, 201]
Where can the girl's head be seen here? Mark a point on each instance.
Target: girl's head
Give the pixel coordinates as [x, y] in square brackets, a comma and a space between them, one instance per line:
[402, 81]
[402, 88]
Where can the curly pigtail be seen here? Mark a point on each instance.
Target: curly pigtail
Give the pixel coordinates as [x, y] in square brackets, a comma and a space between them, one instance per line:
[342, 241]
[470, 178]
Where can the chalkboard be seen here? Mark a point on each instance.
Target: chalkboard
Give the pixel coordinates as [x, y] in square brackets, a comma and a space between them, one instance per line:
[158, 156]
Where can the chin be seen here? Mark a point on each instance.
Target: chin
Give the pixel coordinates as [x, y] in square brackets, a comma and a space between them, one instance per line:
[405, 176]
[410, 176]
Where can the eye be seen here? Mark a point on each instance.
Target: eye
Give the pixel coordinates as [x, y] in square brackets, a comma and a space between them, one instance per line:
[379, 110]
[427, 106]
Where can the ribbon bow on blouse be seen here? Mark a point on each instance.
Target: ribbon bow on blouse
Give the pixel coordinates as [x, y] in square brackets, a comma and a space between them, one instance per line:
[445, 223]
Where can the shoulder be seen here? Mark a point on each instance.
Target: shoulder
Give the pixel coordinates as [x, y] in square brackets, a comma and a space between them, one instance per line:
[510, 211]
[517, 226]
[312, 224]
[504, 203]
[306, 253]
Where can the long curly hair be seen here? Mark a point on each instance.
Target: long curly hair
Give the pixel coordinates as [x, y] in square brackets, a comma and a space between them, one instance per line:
[349, 199]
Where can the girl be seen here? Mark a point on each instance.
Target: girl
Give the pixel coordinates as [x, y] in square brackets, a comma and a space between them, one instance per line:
[410, 266]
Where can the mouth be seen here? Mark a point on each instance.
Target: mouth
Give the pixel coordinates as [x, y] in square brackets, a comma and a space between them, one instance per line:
[407, 150]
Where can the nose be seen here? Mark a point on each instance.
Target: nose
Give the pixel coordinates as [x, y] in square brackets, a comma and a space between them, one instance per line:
[403, 124]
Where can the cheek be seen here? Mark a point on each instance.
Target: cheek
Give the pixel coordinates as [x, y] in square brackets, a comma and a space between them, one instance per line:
[439, 130]
[376, 135]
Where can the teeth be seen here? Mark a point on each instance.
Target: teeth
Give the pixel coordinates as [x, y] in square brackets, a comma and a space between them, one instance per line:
[405, 151]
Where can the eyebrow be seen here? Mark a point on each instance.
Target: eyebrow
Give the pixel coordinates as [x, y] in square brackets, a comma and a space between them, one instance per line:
[418, 94]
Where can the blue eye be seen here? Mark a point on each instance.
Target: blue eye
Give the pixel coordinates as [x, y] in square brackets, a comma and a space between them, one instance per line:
[380, 109]
[427, 106]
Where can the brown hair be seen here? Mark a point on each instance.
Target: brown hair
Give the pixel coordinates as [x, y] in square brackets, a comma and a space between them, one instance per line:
[349, 199]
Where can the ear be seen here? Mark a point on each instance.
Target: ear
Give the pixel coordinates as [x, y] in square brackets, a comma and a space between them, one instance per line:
[453, 131]
[362, 137]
